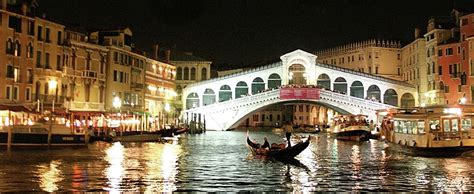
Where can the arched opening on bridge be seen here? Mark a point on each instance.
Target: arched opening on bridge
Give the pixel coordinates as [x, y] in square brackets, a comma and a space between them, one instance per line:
[390, 97]
[407, 101]
[241, 89]
[258, 85]
[274, 81]
[324, 81]
[192, 101]
[357, 89]
[225, 93]
[209, 97]
[373, 93]
[340, 85]
[297, 74]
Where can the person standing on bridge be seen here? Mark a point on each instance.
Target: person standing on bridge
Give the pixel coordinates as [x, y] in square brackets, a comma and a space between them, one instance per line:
[288, 129]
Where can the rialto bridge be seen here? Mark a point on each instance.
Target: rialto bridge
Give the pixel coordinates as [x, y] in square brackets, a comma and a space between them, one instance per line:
[225, 101]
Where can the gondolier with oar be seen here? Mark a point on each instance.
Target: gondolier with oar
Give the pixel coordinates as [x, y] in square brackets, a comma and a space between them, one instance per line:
[288, 127]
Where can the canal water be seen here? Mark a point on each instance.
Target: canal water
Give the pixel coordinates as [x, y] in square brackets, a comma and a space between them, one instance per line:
[220, 161]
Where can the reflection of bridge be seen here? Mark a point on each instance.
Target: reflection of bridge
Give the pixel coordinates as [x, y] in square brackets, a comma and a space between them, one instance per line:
[233, 100]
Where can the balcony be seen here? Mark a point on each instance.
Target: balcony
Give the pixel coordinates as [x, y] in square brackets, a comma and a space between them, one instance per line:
[89, 74]
[47, 99]
[137, 85]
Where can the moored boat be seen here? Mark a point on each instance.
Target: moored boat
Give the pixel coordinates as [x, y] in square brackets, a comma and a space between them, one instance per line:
[279, 153]
[350, 127]
[431, 131]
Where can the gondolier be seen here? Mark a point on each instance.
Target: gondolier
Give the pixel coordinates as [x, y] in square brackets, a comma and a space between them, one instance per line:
[288, 130]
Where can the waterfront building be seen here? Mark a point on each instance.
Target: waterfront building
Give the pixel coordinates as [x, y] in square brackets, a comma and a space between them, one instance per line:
[467, 55]
[414, 68]
[160, 92]
[125, 83]
[84, 67]
[439, 30]
[379, 57]
[189, 69]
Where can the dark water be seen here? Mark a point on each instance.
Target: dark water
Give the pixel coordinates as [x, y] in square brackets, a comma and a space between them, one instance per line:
[220, 161]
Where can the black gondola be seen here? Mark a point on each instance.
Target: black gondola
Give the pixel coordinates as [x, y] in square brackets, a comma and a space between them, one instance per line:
[286, 153]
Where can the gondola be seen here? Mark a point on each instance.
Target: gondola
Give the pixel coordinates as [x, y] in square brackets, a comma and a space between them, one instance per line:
[286, 153]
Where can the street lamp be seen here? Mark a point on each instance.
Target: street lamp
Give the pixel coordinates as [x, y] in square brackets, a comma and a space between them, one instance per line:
[52, 85]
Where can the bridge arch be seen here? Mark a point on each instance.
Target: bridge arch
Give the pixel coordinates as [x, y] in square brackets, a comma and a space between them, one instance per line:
[209, 97]
[274, 81]
[324, 81]
[241, 89]
[373, 93]
[390, 97]
[192, 100]
[258, 85]
[225, 93]
[357, 89]
[407, 100]
[340, 85]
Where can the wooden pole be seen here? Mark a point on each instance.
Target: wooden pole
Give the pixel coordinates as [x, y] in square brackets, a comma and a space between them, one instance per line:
[10, 131]
[50, 129]
[199, 123]
[204, 123]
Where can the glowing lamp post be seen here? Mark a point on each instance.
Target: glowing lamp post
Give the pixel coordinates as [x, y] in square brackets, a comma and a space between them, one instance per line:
[53, 84]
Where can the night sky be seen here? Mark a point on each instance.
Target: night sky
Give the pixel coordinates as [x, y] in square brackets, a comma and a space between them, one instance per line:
[244, 32]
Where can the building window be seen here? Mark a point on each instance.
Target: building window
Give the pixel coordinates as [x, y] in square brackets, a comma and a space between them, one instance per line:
[40, 33]
[29, 76]
[376, 70]
[29, 52]
[440, 70]
[28, 94]
[15, 92]
[115, 75]
[17, 51]
[48, 32]
[14, 23]
[31, 28]
[9, 47]
[46, 61]
[449, 51]
[179, 73]
[186, 74]
[255, 118]
[398, 71]
[8, 92]
[459, 88]
[204, 74]
[10, 71]
[60, 37]
[193, 73]
[38, 59]
[440, 52]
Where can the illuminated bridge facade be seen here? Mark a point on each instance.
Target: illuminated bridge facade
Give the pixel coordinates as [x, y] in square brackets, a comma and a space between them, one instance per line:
[225, 101]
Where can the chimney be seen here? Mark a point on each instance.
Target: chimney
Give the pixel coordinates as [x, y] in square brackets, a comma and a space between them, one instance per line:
[168, 53]
[156, 50]
[24, 8]
[417, 33]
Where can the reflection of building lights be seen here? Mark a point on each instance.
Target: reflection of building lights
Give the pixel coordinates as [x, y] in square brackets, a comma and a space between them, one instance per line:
[49, 176]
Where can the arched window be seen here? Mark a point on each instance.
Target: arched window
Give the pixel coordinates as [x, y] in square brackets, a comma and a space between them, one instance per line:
[186, 74]
[9, 48]
[179, 73]
[225, 93]
[204, 74]
[17, 51]
[407, 101]
[340, 85]
[46, 88]
[30, 50]
[357, 89]
[193, 73]
[324, 81]
[274, 81]
[258, 85]
[241, 89]
[390, 97]
[373, 93]
[192, 101]
[209, 97]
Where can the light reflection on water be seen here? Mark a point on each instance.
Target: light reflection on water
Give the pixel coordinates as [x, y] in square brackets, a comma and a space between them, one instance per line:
[220, 161]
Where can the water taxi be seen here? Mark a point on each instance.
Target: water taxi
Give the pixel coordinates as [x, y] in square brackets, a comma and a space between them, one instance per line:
[350, 127]
[431, 131]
